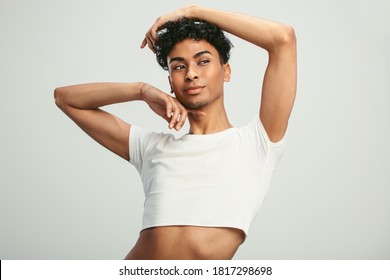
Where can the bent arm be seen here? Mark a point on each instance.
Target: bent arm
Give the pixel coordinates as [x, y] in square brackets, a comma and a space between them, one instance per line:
[82, 104]
[279, 82]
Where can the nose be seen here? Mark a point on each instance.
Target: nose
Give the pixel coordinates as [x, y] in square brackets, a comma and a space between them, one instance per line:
[191, 74]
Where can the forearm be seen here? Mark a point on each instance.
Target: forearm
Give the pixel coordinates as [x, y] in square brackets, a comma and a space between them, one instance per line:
[95, 95]
[266, 34]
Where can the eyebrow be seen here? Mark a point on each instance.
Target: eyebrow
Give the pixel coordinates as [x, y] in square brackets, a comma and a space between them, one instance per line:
[178, 58]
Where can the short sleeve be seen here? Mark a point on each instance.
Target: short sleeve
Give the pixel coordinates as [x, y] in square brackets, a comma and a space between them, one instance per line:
[268, 152]
[139, 140]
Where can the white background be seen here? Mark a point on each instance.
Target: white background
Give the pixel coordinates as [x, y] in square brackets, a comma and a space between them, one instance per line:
[62, 196]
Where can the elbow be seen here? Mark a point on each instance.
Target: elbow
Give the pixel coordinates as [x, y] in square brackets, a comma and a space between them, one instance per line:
[287, 36]
[59, 97]
[284, 39]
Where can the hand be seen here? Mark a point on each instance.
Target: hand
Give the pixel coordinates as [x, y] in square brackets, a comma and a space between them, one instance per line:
[151, 35]
[167, 107]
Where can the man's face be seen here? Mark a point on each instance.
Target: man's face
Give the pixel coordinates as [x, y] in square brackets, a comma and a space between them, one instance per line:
[196, 73]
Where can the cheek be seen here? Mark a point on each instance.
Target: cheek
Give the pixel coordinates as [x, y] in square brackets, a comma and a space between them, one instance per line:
[174, 81]
[216, 75]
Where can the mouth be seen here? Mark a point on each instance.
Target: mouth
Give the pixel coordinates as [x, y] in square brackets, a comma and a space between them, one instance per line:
[193, 89]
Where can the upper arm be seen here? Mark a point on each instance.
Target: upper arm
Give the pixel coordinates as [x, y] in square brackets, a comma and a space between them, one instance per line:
[279, 88]
[105, 128]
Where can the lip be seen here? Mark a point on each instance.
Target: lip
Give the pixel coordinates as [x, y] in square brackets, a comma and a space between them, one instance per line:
[194, 89]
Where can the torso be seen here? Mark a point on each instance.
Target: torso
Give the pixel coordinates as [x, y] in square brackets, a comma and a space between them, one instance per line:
[186, 242]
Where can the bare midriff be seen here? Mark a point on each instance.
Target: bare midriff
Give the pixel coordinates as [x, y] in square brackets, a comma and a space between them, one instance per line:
[186, 243]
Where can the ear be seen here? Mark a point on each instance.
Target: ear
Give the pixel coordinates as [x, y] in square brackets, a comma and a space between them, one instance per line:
[170, 83]
[227, 71]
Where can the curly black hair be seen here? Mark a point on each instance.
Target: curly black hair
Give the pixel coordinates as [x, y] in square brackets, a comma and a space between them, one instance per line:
[176, 31]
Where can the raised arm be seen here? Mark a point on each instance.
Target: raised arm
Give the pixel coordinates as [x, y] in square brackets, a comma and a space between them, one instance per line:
[82, 104]
[279, 82]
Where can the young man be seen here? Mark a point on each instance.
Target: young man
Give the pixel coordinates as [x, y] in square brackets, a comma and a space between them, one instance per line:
[202, 190]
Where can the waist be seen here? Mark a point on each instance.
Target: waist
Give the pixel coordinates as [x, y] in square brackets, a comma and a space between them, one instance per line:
[187, 242]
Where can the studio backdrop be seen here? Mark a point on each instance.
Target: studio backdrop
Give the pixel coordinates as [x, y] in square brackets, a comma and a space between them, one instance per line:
[62, 196]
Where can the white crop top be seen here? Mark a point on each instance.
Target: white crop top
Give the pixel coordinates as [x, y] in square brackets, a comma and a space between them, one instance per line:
[212, 180]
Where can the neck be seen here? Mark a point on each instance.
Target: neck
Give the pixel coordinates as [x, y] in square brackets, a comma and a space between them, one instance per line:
[215, 120]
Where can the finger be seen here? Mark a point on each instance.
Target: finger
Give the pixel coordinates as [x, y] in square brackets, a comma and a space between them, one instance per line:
[153, 33]
[182, 116]
[169, 110]
[182, 119]
[143, 44]
[174, 117]
[148, 41]
[150, 44]
[153, 30]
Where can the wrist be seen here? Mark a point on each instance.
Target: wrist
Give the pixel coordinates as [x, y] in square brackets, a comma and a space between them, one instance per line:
[193, 11]
[143, 88]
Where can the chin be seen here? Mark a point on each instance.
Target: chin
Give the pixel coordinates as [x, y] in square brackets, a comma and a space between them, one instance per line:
[196, 105]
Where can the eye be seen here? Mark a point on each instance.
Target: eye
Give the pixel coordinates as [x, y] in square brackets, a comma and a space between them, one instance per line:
[204, 61]
[178, 67]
